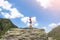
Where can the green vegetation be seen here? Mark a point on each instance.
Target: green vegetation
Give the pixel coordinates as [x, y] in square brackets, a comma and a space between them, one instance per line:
[5, 24]
[55, 33]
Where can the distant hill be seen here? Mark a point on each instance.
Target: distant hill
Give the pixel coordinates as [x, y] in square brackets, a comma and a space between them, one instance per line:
[55, 33]
[5, 24]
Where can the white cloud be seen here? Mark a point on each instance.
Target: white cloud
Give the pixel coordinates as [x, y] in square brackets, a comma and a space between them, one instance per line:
[49, 3]
[34, 19]
[5, 4]
[6, 15]
[52, 6]
[0, 9]
[36, 25]
[26, 20]
[53, 25]
[14, 13]
[44, 3]
[44, 28]
[28, 24]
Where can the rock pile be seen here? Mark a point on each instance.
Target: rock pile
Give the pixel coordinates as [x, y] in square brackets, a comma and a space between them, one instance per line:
[25, 34]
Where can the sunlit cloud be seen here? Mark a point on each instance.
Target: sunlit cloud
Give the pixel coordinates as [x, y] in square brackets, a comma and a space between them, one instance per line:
[49, 3]
[52, 6]
[44, 3]
[26, 21]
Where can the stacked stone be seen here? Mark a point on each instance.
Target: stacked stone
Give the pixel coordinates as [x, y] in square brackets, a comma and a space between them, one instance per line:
[24, 34]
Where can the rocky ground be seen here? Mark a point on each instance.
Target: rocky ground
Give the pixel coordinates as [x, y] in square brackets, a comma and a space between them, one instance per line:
[25, 34]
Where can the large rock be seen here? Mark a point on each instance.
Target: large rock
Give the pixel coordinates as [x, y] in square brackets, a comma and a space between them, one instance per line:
[25, 34]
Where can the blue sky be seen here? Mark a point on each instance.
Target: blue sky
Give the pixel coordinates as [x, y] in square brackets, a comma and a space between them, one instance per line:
[44, 15]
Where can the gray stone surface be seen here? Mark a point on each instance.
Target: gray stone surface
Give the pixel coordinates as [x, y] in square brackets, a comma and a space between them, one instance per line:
[24, 34]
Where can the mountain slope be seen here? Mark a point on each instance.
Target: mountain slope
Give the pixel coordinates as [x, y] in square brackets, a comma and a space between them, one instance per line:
[55, 33]
[5, 24]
